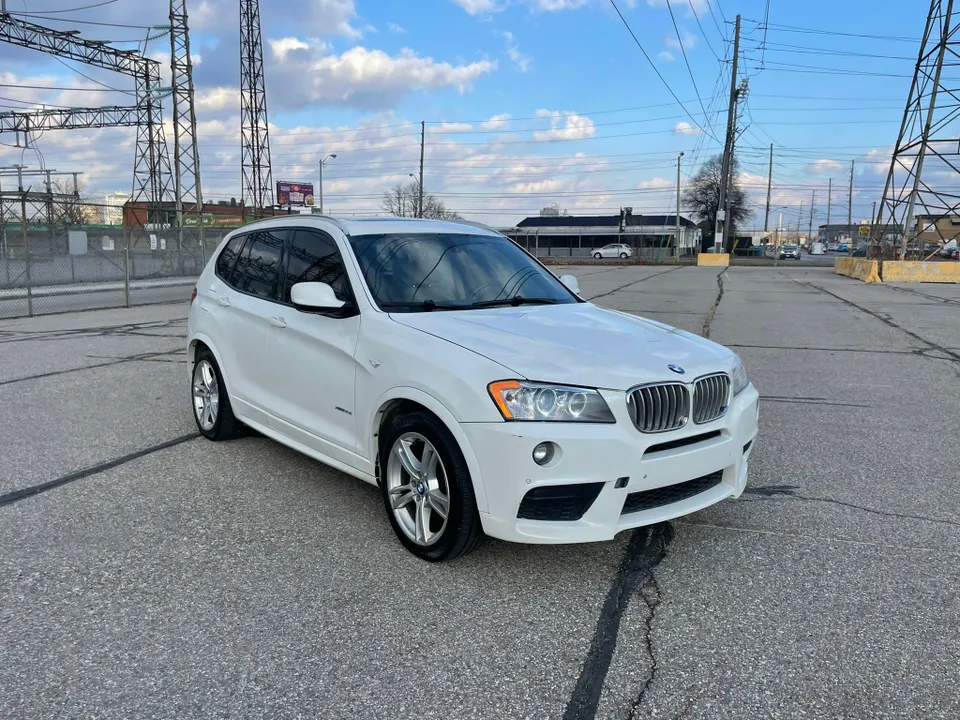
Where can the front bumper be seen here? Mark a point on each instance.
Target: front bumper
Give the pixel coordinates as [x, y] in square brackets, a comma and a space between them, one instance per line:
[605, 454]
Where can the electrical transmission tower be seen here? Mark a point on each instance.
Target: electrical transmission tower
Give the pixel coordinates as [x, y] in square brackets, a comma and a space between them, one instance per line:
[923, 183]
[255, 158]
[151, 174]
[188, 196]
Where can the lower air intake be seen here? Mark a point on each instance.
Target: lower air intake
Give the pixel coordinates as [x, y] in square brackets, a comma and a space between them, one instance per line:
[650, 499]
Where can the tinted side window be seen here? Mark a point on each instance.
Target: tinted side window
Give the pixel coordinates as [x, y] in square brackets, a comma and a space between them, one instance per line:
[314, 257]
[228, 258]
[258, 266]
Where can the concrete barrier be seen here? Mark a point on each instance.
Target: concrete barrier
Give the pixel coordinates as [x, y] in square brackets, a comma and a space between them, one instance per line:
[713, 260]
[857, 268]
[910, 271]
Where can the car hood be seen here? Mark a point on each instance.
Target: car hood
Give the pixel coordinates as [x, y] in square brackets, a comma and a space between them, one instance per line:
[577, 344]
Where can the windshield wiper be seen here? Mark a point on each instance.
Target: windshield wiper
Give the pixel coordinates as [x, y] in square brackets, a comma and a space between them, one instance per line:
[425, 306]
[514, 302]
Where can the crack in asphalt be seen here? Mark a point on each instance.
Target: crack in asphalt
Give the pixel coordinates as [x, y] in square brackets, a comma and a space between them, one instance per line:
[810, 401]
[646, 549]
[653, 602]
[790, 491]
[708, 321]
[119, 361]
[634, 282]
[127, 329]
[885, 319]
[17, 495]
[945, 301]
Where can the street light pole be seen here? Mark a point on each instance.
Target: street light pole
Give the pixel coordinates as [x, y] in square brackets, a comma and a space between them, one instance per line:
[323, 162]
[676, 249]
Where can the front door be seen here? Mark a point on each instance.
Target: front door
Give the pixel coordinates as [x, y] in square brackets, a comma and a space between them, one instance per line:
[312, 353]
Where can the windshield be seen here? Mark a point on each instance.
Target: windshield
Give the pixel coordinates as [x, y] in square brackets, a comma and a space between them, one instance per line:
[453, 272]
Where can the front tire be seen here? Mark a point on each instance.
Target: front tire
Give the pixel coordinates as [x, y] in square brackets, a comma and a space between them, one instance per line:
[426, 489]
[211, 404]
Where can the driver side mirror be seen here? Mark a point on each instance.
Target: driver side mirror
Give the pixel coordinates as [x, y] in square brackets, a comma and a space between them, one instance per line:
[570, 282]
[315, 296]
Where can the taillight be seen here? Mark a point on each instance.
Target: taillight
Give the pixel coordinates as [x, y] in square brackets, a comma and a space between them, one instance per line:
[193, 295]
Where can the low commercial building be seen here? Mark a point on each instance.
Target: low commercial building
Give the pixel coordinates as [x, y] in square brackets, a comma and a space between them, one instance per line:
[650, 236]
[856, 233]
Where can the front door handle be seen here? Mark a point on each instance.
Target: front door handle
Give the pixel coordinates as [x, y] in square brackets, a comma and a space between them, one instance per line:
[223, 300]
[278, 322]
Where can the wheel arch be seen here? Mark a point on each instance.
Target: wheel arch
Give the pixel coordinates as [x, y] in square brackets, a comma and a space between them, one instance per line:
[193, 346]
[407, 399]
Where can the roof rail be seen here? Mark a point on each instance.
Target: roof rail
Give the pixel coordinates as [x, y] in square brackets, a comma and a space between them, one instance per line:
[473, 223]
[299, 216]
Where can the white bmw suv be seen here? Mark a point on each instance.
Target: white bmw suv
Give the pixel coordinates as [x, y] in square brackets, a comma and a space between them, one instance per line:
[441, 362]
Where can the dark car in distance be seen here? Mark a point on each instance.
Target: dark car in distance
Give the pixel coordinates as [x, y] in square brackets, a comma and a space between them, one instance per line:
[789, 251]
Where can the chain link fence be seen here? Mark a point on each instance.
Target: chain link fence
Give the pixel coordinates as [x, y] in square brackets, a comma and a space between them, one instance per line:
[62, 268]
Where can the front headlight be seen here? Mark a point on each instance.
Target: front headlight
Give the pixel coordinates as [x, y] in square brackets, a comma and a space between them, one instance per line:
[738, 377]
[520, 400]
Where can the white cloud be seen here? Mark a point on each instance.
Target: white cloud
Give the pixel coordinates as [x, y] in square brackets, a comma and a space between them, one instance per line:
[689, 41]
[485, 7]
[825, 165]
[451, 127]
[565, 125]
[217, 100]
[666, 56]
[283, 46]
[539, 186]
[497, 122]
[699, 7]
[521, 61]
[479, 7]
[656, 183]
[394, 28]
[365, 78]
[685, 128]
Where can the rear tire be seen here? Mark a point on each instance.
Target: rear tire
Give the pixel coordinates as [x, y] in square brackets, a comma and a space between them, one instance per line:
[211, 405]
[598, 255]
[422, 474]
[623, 256]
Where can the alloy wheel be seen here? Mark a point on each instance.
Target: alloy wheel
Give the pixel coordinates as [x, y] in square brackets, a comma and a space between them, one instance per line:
[418, 489]
[206, 395]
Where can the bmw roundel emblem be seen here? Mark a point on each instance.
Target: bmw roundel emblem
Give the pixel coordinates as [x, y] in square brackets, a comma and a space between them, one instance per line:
[677, 369]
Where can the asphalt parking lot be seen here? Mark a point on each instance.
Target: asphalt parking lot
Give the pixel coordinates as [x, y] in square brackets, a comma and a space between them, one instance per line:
[167, 576]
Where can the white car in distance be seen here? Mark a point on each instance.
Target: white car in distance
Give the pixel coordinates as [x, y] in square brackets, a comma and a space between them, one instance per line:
[615, 250]
[444, 364]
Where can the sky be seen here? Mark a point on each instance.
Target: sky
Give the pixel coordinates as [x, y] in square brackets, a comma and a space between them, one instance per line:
[527, 103]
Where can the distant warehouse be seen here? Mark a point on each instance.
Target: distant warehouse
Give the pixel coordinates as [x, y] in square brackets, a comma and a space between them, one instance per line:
[650, 236]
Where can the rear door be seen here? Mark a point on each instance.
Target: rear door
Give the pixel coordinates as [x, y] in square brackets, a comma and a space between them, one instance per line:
[247, 297]
[313, 370]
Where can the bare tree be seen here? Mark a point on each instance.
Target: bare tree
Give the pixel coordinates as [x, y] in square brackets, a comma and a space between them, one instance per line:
[702, 196]
[404, 201]
[68, 208]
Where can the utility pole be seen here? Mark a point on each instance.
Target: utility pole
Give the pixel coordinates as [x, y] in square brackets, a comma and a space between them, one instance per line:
[813, 201]
[423, 135]
[850, 203]
[718, 237]
[766, 217]
[799, 218]
[829, 201]
[676, 249]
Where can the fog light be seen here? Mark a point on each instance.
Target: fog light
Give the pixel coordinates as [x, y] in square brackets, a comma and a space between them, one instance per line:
[543, 453]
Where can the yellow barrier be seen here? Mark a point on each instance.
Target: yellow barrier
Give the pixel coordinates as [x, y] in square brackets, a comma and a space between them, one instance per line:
[908, 271]
[858, 269]
[713, 260]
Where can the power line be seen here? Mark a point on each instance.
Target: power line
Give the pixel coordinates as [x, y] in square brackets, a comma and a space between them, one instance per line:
[86, 22]
[818, 31]
[686, 62]
[702, 31]
[665, 83]
[69, 10]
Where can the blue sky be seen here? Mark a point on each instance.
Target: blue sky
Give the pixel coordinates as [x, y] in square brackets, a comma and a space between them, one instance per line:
[528, 102]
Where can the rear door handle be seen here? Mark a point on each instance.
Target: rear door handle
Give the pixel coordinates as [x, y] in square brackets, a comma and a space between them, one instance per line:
[278, 322]
[223, 300]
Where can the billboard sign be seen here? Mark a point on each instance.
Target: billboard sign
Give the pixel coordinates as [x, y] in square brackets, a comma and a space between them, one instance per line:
[294, 194]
